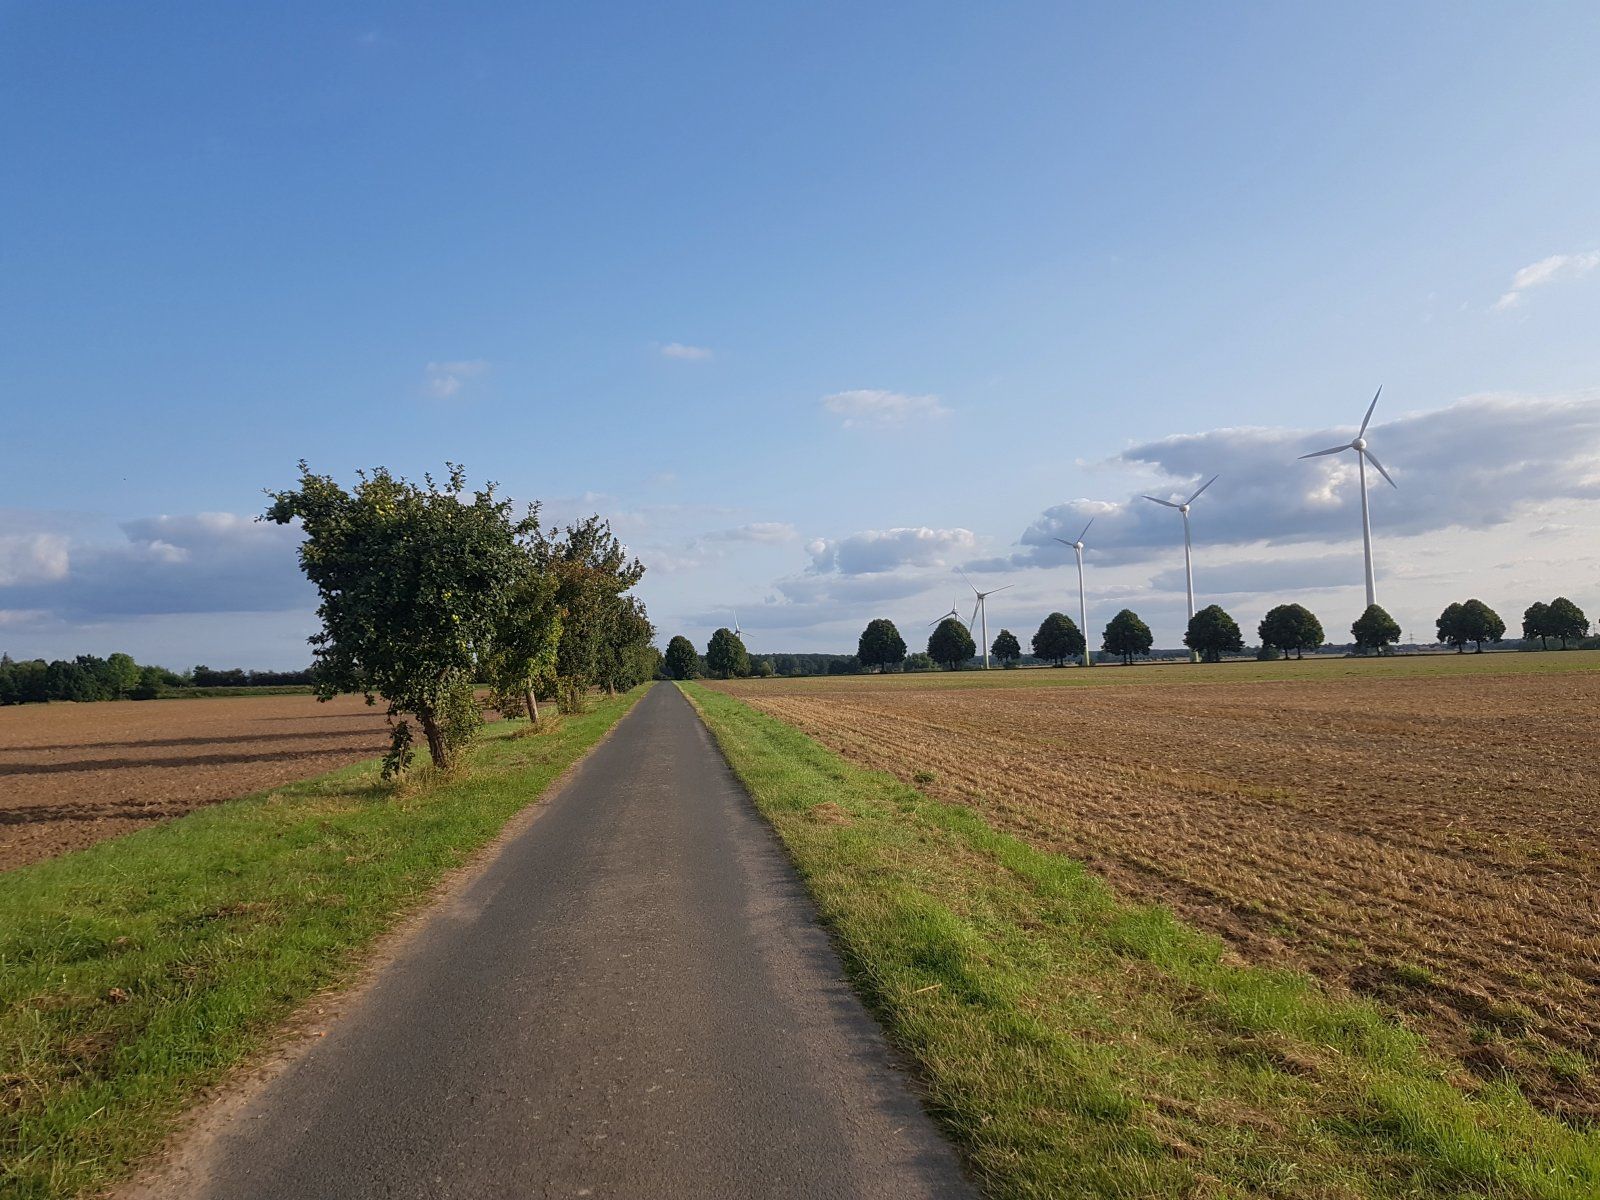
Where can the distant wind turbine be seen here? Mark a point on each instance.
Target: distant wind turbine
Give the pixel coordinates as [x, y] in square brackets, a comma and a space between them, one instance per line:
[1188, 556]
[1363, 457]
[980, 610]
[737, 632]
[1083, 612]
[954, 612]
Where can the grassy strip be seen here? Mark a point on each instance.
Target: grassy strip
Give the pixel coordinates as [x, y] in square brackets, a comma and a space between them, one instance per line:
[1076, 1045]
[139, 970]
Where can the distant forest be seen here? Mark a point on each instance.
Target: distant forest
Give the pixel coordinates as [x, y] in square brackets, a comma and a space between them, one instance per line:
[118, 677]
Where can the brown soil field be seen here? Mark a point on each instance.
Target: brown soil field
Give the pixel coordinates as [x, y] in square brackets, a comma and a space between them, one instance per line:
[75, 774]
[1430, 841]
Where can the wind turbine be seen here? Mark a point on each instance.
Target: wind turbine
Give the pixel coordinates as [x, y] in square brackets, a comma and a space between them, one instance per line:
[1188, 556]
[952, 613]
[981, 609]
[737, 632]
[1083, 613]
[1363, 457]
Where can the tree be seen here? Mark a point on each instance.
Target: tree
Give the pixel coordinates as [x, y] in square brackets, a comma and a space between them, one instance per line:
[1058, 639]
[521, 662]
[1126, 635]
[761, 668]
[414, 584]
[920, 660]
[1375, 629]
[1536, 623]
[592, 571]
[1006, 648]
[1291, 627]
[880, 645]
[682, 662]
[951, 644]
[1213, 633]
[626, 657]
[1473, 621]
[726, 655]
[1567, 621]
[121, 675]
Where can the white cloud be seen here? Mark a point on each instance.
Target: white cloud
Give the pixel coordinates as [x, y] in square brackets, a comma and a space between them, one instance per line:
[685, 352]
[32, 557]
[873, 407]
[873, 551]
[1547, 270]
[1474, 464]
[769, 533]
[441, 380]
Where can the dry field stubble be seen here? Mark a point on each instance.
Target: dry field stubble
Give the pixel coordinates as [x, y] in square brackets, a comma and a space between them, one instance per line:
[1432, 841]
[75, 774]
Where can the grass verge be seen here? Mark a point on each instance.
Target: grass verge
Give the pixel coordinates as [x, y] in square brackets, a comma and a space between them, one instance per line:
[140, 970]
[1074, 1045]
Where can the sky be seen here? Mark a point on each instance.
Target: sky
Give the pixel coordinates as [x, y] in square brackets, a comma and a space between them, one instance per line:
[817, 303]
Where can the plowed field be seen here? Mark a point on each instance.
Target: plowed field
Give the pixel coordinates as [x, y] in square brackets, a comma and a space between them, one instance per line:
[1433, 841]
[75, 774]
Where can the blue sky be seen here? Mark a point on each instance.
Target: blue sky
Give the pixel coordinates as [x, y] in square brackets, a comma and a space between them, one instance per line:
[818, 302]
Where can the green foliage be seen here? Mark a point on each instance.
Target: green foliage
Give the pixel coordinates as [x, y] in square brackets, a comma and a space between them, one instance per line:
[761, 668]
[1127, 636]
[1536, 623]
[726, 655]
[1374, 629]
[415, 582]
[1472, 621]
[681, 661]
[951, 644]
[1567, 621]
[880, 645]
[604, 633]
[1291, 627]
[1006, 648]
[1058, 639]
[920, 660]
[1213, 633]
[520, 663]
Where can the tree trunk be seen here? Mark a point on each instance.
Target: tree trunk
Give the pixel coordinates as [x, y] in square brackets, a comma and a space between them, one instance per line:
[532, 702]
[430, 727]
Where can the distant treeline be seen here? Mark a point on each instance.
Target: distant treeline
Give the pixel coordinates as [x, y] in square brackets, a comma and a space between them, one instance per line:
[118, 677]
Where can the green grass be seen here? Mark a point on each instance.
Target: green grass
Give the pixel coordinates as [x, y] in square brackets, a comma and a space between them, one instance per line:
[1400, 666]
[139, 970]
[1074, 1045]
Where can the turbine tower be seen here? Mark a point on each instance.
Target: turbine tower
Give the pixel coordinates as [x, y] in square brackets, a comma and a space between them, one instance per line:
[1083, 612]
[1363, 457]
[1188, 555]
[981, 610]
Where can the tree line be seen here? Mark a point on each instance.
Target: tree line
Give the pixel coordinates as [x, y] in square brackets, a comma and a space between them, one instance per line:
[428, 589]
[88, 678]
[1288, 629]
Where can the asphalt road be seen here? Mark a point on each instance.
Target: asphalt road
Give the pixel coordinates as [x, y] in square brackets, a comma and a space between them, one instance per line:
[632, 1000]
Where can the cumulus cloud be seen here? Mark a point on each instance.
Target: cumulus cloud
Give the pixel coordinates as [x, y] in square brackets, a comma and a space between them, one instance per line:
[1546, 271]
[873, 551]
[872, 407]
[32, 557]
[1475, 464]
[204, 562]
[441, 380]
[686, 353]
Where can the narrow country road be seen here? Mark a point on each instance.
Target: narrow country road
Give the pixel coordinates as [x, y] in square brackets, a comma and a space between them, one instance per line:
[633, 1000]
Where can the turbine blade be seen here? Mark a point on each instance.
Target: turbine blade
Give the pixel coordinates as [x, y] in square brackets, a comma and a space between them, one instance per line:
[1085, 530]
[1063, 541]
[969, 582]
[992, 591]
[975, 609]
[1168, 503]
[1329, 450]
[1203, 487]
[1368, 417]
[1373, 459]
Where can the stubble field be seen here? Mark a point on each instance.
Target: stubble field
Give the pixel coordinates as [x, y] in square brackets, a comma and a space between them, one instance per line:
[1428, 835]
[75, 774]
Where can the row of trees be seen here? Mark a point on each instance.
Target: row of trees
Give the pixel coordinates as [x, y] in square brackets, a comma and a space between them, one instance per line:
[89, 678]
[426, 589]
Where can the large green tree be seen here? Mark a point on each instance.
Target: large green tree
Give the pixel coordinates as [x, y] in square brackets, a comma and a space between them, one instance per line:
[1567, 621]
[1374, 629]
[1058, 639]
[1536, 623]
[951, 644]
[1006, 648]
[1470, 621]
[1213, 633]
[880, 645]
[1291, 627]
[414, 584]
[682, 661]
[726, 655]
[593, 570]
[521, 661]
[1126, 636]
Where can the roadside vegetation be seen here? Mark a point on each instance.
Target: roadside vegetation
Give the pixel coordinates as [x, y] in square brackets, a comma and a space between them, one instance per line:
[140, 970]
[1076, 1045]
